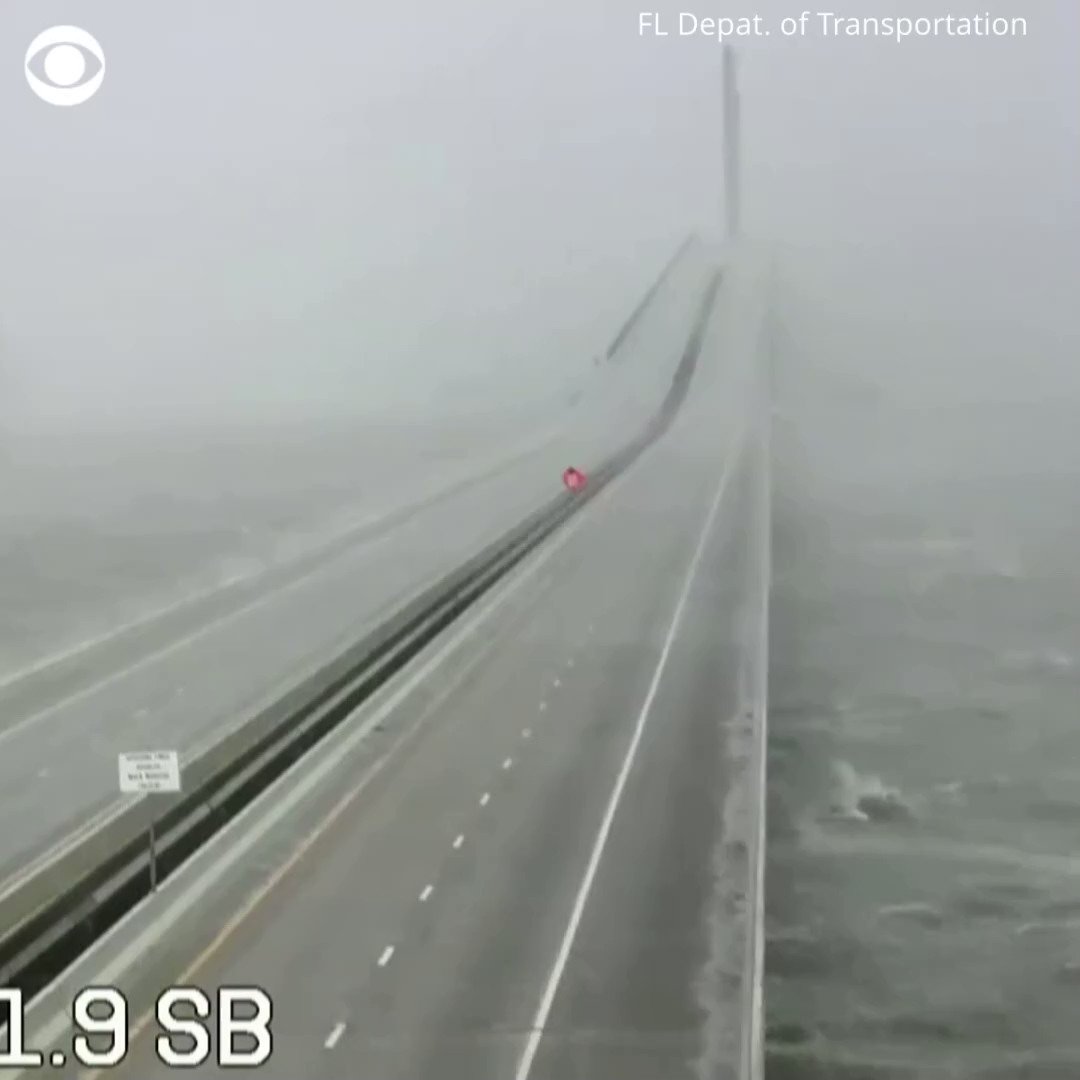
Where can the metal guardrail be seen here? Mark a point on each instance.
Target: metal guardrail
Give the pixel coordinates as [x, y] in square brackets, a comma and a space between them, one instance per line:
[56, 914]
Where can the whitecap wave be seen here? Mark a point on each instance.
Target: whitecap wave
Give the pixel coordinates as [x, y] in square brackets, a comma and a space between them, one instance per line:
[865, 797]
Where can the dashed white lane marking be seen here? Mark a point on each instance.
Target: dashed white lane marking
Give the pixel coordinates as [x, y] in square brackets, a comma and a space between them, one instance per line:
[526, 733]
[570, 662]
[558, 683]
[428, 890]
[543, 706]
[485, 798]
[508, 762]
[547, 999]
[459, 840]
[334, 1036]
[387, 953]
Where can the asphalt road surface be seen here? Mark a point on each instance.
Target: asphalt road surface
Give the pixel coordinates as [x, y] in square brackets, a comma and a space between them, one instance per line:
[58, 754]
[532, 874]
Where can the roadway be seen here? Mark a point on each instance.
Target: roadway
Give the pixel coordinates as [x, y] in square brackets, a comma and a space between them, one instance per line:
[518, 862]
[70, 668]
[205, 674]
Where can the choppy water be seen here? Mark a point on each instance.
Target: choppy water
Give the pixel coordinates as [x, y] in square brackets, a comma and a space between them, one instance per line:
[924, 860]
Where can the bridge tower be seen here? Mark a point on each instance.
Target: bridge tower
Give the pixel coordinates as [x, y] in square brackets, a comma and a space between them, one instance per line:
[732, 135]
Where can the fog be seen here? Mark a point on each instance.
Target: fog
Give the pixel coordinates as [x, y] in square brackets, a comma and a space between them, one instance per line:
[273, 210]
[276, 210]
[924, 200]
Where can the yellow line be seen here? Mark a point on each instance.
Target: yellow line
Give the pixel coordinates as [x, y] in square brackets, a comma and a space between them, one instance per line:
[256, 898]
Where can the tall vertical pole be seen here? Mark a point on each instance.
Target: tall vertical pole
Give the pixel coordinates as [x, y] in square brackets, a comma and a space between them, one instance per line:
[732, 133]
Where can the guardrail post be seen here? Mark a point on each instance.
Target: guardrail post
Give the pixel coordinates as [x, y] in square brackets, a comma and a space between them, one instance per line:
[153, 859]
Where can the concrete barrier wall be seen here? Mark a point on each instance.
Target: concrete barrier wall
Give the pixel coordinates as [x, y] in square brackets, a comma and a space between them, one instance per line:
[729, 412]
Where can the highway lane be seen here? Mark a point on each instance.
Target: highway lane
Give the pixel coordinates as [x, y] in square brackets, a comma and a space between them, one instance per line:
[57, 765]
[530, 882]
[137, 527]
[62, 673]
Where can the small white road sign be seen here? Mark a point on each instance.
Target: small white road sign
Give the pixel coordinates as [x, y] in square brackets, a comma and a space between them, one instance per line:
[149, 770]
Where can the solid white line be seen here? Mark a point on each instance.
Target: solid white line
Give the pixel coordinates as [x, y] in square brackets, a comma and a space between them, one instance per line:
[532, 1044]
[508, 762]
[387, 953]
[271, 807]
[485, 798]
[428, 890]
[334, 1036]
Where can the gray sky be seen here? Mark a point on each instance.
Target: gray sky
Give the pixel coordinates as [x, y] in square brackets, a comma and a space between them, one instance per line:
[332, 205]
[928, 197]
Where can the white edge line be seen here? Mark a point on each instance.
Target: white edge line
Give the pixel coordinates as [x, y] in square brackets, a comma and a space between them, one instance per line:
[304, 778]
[536, 1030]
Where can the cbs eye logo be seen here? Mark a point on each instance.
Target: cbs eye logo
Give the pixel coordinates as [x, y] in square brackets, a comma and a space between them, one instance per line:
[60, 66]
